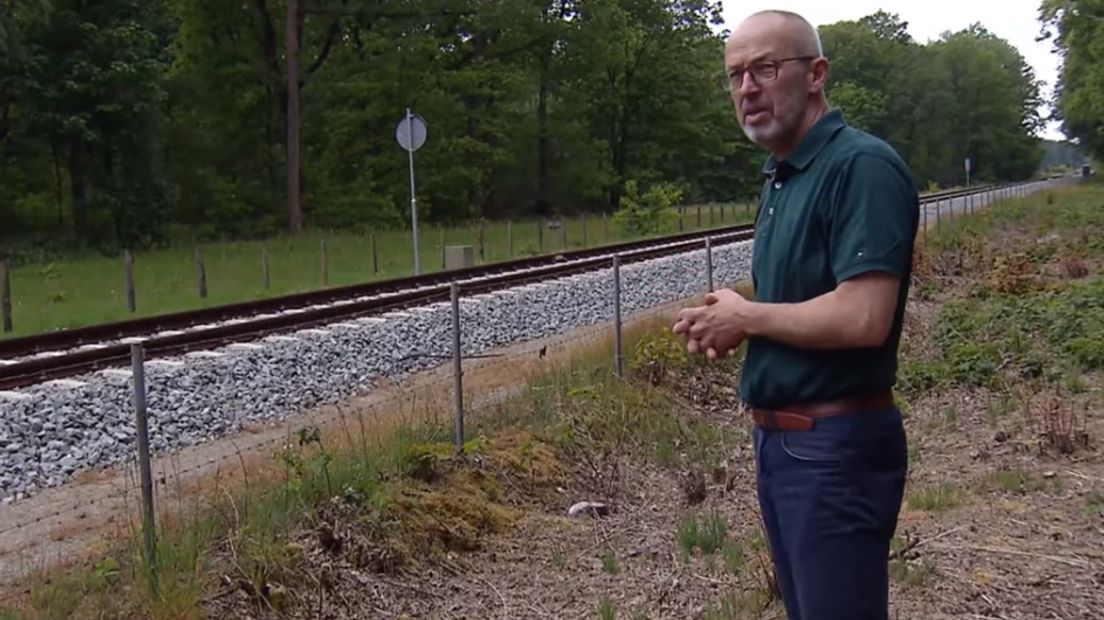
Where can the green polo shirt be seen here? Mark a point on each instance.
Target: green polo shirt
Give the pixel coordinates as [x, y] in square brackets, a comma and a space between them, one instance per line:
[842, 204]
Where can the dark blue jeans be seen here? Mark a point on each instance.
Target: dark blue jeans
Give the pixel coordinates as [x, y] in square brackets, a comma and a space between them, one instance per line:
[830, 497]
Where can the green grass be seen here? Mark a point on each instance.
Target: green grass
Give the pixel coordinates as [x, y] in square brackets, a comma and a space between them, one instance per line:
[936, 498]
[1021, 481]
[911, 574]
[607, 610]
[1094, 504]
[88, 289]
[609, 562]
[742, 605]
[707, 534]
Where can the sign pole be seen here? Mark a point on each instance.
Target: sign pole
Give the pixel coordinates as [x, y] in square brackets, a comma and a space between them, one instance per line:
[413, 195]
[411, 135]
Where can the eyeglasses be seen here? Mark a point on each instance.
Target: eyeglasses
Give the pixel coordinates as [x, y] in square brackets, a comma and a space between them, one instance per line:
[762, 71]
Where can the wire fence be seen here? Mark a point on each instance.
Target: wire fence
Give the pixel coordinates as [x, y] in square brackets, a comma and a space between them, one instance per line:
[32, 523]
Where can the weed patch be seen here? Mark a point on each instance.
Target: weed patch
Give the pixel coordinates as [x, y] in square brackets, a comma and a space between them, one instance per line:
[1020, 482]
[706, 534]
[936, 498]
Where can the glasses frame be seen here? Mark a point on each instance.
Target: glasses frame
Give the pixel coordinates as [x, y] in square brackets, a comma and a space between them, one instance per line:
[736, 78]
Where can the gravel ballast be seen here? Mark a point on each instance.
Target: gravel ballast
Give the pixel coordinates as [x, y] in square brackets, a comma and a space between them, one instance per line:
[50, 431]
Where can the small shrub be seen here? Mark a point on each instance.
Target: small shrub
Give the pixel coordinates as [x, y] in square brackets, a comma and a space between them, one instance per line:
[650, 214]
[973, 363]
[1074, 268]
[657, 354]
[1087, 351]
[1012, 274]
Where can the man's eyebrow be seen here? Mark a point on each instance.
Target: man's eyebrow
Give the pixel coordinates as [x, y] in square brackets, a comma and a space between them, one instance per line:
[754, 59]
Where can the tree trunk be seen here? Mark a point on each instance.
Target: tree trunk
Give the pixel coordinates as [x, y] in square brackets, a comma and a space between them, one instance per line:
[294, 194]
[543, 205]
[276, 133]
[58, 193]
[78, 170]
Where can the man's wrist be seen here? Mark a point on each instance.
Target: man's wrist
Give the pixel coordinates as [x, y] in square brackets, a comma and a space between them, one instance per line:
[756, 318]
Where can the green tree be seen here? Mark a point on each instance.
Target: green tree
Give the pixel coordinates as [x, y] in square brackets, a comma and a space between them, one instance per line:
[968, 94]
[1076, 28]
[91, 91]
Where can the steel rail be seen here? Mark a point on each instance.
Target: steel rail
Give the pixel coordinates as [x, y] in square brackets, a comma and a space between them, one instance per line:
[81, 350]
[45, 368]
[94, 334]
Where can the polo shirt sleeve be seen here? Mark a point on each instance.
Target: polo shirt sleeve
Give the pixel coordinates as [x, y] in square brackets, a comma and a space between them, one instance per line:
[873, 220]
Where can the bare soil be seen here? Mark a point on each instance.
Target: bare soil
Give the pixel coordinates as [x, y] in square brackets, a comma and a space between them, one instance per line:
[998, 524]
[1004, 519]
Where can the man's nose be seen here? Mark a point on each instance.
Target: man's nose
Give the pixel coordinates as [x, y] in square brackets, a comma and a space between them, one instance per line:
[748, 85]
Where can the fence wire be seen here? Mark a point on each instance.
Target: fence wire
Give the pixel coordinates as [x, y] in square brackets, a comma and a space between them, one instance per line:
[422, 385]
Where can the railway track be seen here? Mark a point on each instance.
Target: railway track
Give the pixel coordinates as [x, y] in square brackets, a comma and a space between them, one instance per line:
[35, 359]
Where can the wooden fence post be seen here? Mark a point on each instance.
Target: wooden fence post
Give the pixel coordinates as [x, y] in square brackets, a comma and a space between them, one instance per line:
[201, 274]
[266, 277]
[5, 296]
[128, 272]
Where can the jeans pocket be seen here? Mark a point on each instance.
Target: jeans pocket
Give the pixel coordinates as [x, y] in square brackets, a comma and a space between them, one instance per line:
[813, 446]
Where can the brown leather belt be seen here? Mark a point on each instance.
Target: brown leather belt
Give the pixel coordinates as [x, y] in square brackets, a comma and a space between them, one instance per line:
[802, 417]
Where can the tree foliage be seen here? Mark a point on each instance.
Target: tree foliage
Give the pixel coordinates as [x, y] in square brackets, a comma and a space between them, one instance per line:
[1076, 28]
[131, 122]
[967, 94]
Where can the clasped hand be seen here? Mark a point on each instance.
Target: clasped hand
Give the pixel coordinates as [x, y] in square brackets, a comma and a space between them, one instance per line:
[717, 328]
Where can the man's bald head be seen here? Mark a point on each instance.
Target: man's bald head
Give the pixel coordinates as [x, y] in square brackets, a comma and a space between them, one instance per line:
[777, 72]
[800, 36]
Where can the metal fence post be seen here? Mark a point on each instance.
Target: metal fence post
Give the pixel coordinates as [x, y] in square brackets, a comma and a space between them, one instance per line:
[137, 360]
[457, 368]
[709, 264]
[617, 363]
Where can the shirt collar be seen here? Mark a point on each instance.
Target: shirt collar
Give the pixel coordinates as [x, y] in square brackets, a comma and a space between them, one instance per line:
[810, 146]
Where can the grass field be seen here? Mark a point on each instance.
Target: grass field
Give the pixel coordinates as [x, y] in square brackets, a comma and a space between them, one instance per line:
[91, 290]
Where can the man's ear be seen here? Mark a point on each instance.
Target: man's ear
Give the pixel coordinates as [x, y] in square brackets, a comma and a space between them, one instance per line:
[821, 69]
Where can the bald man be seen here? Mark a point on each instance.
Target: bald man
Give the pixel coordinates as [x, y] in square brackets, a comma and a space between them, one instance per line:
[831, 265]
